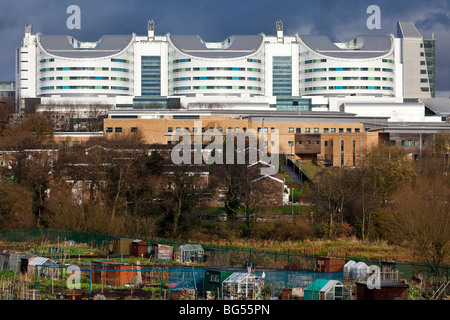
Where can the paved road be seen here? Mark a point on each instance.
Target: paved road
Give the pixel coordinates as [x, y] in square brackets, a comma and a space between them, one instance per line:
[295, 178]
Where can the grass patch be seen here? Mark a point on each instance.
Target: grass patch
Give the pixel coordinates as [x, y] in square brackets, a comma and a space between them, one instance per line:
[309, 169]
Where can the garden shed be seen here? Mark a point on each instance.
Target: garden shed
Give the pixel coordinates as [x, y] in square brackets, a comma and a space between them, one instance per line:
[139, 248]
[122, 246]
[113, 273]
[324, 289]
[213, 282]
[30, 262]
[329, 264]
[389, 290]
[10, 261]
[162, 252]
[242, 285]
[190, 253]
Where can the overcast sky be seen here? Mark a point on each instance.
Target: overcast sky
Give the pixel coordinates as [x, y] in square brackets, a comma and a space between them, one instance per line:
[215, 20]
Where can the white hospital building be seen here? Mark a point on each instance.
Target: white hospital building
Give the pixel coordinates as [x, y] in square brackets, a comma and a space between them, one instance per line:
[376, 74]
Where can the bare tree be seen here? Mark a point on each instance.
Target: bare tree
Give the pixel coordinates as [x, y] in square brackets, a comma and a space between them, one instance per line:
[419, 215]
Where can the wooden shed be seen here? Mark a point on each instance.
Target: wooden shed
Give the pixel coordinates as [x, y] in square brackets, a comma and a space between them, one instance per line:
[113, 273]
[139, 248]
[389, 290]
[163, 252]
[329, 264]
[122, 246]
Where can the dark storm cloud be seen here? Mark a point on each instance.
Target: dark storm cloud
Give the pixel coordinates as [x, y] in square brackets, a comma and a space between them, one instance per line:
[215, 20]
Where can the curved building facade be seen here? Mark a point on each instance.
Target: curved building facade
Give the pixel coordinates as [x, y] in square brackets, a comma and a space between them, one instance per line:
[233, 67]
[70, 68]
[364, 66]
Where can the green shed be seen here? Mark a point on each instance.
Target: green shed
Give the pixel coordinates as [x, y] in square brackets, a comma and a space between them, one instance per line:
[212, 283]
[324, 289]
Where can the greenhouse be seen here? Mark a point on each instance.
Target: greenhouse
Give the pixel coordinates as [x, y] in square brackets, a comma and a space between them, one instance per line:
[241, 286]
[190, 253]
[359, 271]
[324, 289]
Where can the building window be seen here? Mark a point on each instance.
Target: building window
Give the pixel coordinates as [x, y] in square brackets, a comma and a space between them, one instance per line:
[325, 143]
[170, 129]
[410, 143]
[299, 142]
[282, 76]
[424, 143]
[357, 130]
[298, 130]
[118, 129]
[291, 143]
[316, 130]
[333, 130]
[291, 130]
[133, 129]
[416, 143]
[341, 130]
[349, 130]
[403, 143]
[326, 130]
[109, 129]
[307, 130]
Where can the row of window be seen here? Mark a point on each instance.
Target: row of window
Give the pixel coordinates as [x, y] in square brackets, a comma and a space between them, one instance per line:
[348, 88]
[216, 69]
[349, 78]
[83, 69]
[47, 60]
[119, 129]
[112, 60]
[409, 143]
[217, 88]
[348, 69]
[194, 129]
[215, 78]
[84, 88]
[189, 60]
[120, 60]
[325, 130]
[84, 78]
